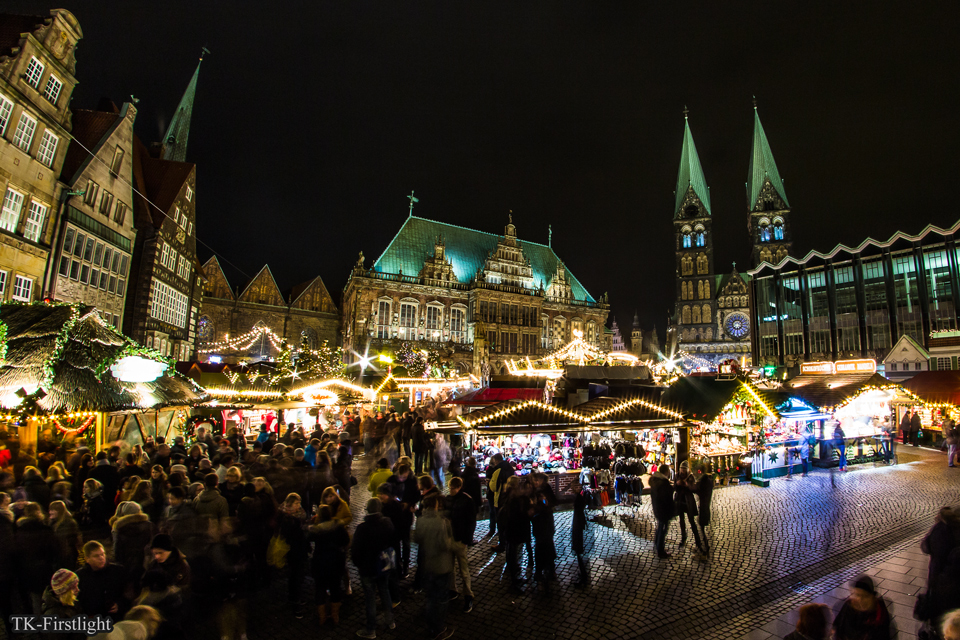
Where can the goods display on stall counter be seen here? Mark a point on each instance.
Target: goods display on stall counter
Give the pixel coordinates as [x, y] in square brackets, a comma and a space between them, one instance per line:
[528, 453]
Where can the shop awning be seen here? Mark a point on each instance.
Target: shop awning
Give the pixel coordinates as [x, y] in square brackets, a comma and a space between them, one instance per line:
[489, 396]
[940, 387]
[829, 391]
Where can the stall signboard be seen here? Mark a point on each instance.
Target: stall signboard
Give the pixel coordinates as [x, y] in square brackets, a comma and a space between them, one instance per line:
[840, 366]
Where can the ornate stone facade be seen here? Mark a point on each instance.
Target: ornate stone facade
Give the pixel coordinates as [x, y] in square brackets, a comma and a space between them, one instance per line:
[306, 314]
[481, 299]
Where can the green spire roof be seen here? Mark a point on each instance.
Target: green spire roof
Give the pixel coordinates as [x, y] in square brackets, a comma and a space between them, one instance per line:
[175, 140]
[762, 166]
[691, 173]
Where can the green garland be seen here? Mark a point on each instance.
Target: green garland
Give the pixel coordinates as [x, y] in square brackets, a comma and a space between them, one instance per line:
[3, 341]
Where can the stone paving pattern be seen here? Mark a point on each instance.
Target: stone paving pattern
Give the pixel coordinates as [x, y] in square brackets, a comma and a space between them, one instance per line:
[772, 549]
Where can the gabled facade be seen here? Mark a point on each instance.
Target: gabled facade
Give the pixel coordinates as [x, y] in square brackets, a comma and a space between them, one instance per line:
[304, 315]
[481, 298]
[95, 237]
[906, 359]
[616, 338]
[163, 309]
[37, 78]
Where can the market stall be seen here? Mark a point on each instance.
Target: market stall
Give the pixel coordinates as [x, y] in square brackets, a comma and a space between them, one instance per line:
[852, 395]
[69, 374]
[583, 443]
[936, 396]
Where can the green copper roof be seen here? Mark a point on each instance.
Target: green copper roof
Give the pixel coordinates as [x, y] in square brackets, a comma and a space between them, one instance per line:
[691, 173]
[762, 166]
[175, 140]
[467, 251]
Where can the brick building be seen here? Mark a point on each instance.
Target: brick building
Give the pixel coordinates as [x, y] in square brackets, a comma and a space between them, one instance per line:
[306, 315]
[37, 67]
[480, 297]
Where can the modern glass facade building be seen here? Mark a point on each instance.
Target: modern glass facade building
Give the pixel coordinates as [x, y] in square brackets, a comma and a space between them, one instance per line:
[856, 302]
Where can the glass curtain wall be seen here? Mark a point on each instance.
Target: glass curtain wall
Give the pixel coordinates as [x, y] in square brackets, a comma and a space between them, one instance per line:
[877, 312]
[939, 290]
[848, 328]
[792, 317]
[819, 314]
[908, 297]
[767, 313]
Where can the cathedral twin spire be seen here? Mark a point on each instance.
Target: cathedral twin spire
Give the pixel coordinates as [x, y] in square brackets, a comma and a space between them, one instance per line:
[762, 168]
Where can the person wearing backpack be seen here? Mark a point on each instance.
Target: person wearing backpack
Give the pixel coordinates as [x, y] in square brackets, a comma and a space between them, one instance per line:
[372, 538]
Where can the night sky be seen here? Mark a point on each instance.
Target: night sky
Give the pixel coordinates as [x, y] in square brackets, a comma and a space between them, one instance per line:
[314, 120]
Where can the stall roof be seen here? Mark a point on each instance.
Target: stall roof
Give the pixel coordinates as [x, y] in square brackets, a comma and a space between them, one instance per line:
[703, 398]
[490, 395]
[599, 373]
[66, 349]
[936, 386]
[825, 391]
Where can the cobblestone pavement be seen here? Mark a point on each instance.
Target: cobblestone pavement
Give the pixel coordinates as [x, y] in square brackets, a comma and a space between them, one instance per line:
[772, 549]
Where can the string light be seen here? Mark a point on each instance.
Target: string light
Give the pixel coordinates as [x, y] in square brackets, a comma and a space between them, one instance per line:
[579, 417]
[749, 388]
[227, 392]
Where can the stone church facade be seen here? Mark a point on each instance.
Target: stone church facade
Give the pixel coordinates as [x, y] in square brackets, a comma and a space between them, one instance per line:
[713, 310]
[479, 298]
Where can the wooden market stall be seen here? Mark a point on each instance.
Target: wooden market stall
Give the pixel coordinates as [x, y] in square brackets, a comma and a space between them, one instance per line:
[67, 372]
[936, 396]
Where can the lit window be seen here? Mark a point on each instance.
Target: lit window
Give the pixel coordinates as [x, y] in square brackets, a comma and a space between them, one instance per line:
[3, 284]
[189, 194]
[168, 305]
[10, 214]
[6, 108]
[433, 323]
[183, 268]
[23, 138]
[893, 366]
[34, 73]
[52, 91]
[457, 324]
[943, 364]
[408, 318]
[383, 319]
[36, 217]
[22, 288]
[48, 148]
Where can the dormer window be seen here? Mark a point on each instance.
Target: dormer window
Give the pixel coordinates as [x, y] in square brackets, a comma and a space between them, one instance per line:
[33, 73]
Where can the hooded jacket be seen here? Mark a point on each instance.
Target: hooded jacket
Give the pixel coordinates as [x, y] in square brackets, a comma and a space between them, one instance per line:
[211, 504]
[330, 546]
[131, 535]
[661, 497]
[434, 536]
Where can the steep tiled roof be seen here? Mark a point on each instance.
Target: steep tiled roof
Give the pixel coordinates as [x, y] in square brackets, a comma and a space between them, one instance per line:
[762, 166]
[691, 175]
[90, 129]
[467, 251]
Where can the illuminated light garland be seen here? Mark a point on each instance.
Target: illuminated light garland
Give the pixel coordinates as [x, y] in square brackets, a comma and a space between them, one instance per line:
[887, 387]
[79, 430]
[322, 385]
[756, 396]
[223, 392]
[566, 413]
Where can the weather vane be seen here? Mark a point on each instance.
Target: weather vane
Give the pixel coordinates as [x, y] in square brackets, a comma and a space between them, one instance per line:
[412, 201]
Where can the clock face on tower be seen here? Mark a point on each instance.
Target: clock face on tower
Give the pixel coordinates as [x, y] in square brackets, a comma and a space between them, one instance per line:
[737, 325]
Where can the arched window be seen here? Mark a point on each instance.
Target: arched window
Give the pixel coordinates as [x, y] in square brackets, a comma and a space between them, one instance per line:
[686, 266]
[720, 302]
[686, 240]
[700, 236]
[778, 231]
[707, 312]
[699, 289]
[696, 315]
[685, 315]
[766, 255]
[706, 289]
[743, 301]
[206, 330]
[702, 263]
[709, 334]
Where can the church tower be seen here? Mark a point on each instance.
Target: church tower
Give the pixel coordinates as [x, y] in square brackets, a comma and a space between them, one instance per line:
[636, 336]
[174, 145]
[694, 246]
[769, 210]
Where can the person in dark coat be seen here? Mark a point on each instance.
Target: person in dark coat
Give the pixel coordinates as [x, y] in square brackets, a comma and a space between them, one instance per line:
[405, 434]
[35, 487]
[916, 425]
[685, 505]
[132, 532]
[35, 542]
[813, 623]
[514, 523]
[232, 489]
[373, 535]
[330, 539]
[8, 559]
[101, 583]
[661, 498]
[705, 496]
[463, 519]
[421, 445]
[942, 544]
[405, 489]
[165, 557]
[541, 517]
[291, 529]
[471, 483]
[864, 615]
[394, 511]
[577, 531]
[108, 476]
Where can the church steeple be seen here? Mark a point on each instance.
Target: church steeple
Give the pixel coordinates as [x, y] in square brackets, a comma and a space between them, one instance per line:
[175, 139]
[763, 168]
[691, 183]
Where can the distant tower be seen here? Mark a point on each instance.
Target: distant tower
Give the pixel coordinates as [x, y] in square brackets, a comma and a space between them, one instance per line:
[694, 246]
[769, 210]
[178, 133]
[617, 338]
[636, 336]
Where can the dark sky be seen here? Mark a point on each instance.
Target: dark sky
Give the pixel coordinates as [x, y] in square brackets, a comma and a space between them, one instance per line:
[314, 120]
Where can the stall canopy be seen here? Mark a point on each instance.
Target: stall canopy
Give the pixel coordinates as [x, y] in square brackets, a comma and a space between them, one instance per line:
[67, 351]
[599, 414]
[703, 398]
[826, 392]
[935, 387]
[489, 396]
